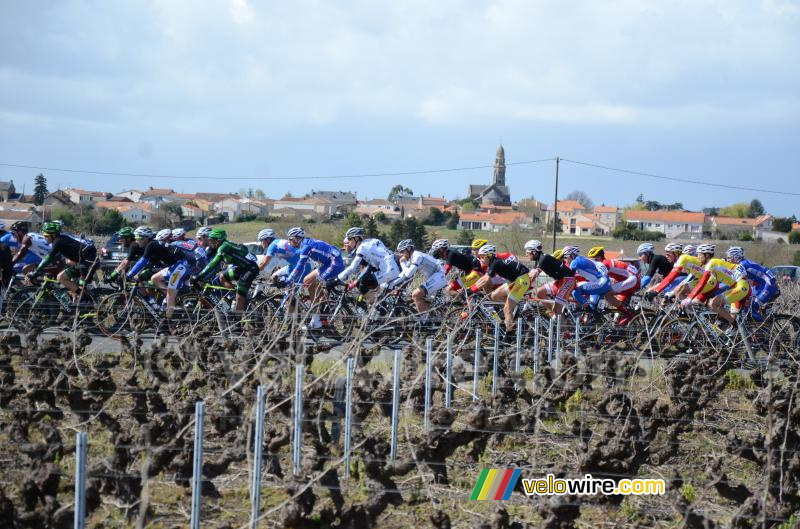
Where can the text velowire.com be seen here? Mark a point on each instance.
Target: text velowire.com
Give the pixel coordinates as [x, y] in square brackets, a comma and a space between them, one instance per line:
[589, 486]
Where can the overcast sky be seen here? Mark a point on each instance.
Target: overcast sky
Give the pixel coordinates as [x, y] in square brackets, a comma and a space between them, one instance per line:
[700, 89]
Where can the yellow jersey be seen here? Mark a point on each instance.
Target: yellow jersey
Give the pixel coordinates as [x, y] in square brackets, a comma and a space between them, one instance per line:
[729, 273]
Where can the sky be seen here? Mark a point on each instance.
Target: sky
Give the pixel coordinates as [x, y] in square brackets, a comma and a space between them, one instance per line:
[705, 90]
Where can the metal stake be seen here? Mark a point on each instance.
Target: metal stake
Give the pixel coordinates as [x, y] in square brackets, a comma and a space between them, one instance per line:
[428, 354]
[197, 464]
[255, 487]
[550, 341]
[81, 443]
[298, 417]
[558, 340]
[348, 416]
[496, 355]
[577, 337]
[475, 365]
[448, 396]
[395, 403]
[536, 344]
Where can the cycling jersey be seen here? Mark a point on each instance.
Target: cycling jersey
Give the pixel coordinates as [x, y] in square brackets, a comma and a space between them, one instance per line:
[660, 265]
[35, 251]
[552, 267]
[596, 276]
[765, 285]
[157, 255]
[373, 253]
[625, 276]
[732, 275]
[508, 269]
[243, 270]
[465, 263]
[690, 265]
[281, 249]
[327, 257]
[419, 262]
[70, 247]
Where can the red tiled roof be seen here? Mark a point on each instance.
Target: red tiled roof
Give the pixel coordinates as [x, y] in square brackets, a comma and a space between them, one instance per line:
[665, 215]
[606, 209]
[494, 218]
[567, 205]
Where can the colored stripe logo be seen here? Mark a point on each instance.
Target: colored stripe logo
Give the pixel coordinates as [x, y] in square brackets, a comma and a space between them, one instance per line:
[495, 484]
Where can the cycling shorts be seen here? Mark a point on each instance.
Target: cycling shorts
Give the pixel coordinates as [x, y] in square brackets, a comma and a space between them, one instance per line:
[560, 289]
[243, 275]
[177, 273]
[625, 289]
[334, 269]
[518, 288]
[737, 296]
[498, 280]
[464, 281]
[434, 283]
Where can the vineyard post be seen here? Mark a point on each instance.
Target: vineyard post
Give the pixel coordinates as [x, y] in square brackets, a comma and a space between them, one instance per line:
[550, 341]
[518, 351]
[255, 490]
[80, 480]
[536, 344]
[448, 396]
[395, 402]
[577, 337]
[475, 365]
[197, 464]
[298, 416]
[558, 339]
[496, 353]
[428, 355]
[348, 416]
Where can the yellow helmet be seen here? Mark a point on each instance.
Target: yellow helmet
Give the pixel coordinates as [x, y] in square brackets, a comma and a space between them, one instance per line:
[596, 251]
[558, 254]
[477, 243]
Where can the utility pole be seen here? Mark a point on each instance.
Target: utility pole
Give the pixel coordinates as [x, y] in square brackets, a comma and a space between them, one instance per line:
[555, 206]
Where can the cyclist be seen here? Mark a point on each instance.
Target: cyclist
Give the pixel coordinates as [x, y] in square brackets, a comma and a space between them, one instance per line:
[656, 263]
[30, 248]
[179, 234]
[381, 265]
[413, 261]
[80, 256]
[241, 268]
[514, 272]
[686, 272]
[555, 293]
[135, 241]
[497, 280]
[625, 281]
[596, 284]
[468, 264]
[203, 250]
[476, 245]
[732, 276]
[281, 249]
[765, 284]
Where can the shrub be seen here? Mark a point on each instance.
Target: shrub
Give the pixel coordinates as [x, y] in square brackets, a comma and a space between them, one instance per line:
[632, 234]
[794, 237]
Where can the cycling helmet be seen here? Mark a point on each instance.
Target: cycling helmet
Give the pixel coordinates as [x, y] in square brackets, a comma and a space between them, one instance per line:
[487, 249]
[354, 232]
[690, 249]
[558, 254]
[204, 231]
[673, 247]
[297, 231]
[218, 233]
[735, 254]
[406, 244]
[478, 243]
[143, 232]
[533, 246]
[20, 225]
[163, 235]
[59, 222]
[266, 233]
[645, 247]
[127, 231]
[707, 248]
[569, 252]
[596, 251]
[178, 232]
[51, 227]
[440, 244]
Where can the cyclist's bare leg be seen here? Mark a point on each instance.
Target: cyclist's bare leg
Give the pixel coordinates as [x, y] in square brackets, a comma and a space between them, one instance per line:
[69, 284]
[241, 302]
[508, 311]
[420, 301]
[611, 299]
[717, 304]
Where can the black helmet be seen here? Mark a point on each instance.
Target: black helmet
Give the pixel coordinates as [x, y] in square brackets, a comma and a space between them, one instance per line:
[21, 225]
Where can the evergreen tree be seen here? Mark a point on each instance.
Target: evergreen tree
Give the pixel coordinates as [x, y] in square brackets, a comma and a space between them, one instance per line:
[39, 189]
[371, 229]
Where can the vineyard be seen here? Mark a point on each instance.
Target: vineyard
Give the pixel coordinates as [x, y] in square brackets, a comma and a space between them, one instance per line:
[269, 428]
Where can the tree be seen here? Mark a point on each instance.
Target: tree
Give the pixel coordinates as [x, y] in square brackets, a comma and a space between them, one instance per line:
[260, 194]
[465, 237]
[582, 197]
[783, 224]
[756, 208]
[39, 189]
[435, 217]
[381, 217]
[398, 192]
[452, 224]
[794, 237]
[745, 236]
[468, 207]
[371, 229]
[559, 225]
[108, 221]
[173, 208]
[739, 210]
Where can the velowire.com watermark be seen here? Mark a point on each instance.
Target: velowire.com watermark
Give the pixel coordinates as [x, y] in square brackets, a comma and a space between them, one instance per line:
[498, 484]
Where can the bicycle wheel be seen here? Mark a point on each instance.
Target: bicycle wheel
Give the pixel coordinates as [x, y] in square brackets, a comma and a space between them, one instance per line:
[112, 313]
[28, 307]
[676, 335]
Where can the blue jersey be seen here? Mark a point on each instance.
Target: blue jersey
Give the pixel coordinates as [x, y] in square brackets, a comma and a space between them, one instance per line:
[282, 249]
[320, 252]
[592, 271]
[760, 276]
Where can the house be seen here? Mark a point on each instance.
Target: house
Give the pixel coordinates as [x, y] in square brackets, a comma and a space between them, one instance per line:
[796, 226]
[735, 226]
[608, 216]
[10, 216]
[374, 206]
[234, 207]
[569, 212]
[157, 196]
[479, 220]
[13, 205]
[190, 211]
[7, 189]
[57, 198]
[133, 212]
[672, 223]
[308, 206]
[134, 195]
[497, 193]
[82, 197]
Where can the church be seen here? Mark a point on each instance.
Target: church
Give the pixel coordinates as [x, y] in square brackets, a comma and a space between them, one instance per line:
[497, 193]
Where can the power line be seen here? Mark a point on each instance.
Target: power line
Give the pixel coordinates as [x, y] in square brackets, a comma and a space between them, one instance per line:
[683, 180]
[327, 177]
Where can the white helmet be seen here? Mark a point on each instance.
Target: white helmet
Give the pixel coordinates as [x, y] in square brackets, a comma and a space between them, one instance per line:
[406, 244]
[673, 247]
[645, 247]
[143, 232]
[354, 232]
[204, 231]
[439, 244]
[735, 254]
[690, 249]
[570, 251]
[178, 232]
[266, 233]
[163, 235]
[707, 248]
[533, 246]
[297, 231]
[487, 249]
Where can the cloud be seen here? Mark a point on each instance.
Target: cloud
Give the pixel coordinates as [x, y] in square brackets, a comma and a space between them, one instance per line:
[237, 65]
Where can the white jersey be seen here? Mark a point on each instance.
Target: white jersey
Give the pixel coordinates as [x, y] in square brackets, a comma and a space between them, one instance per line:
[39, 245]
[419, 262]
[375, 254]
